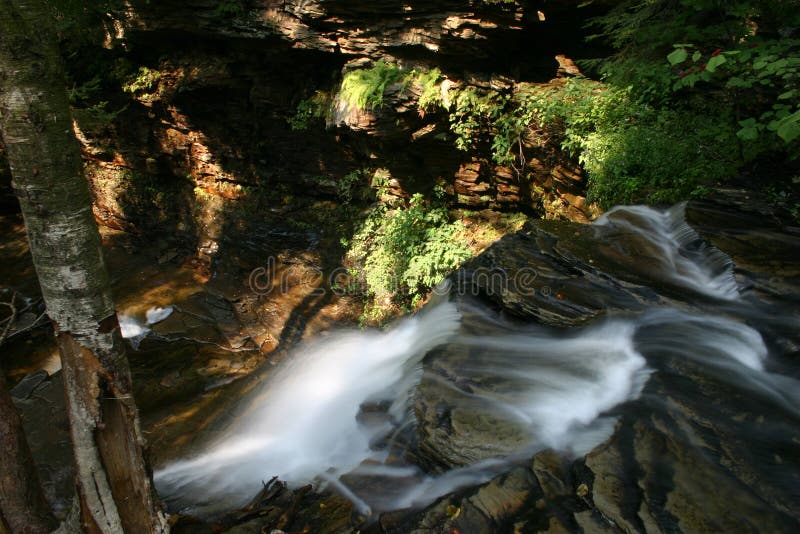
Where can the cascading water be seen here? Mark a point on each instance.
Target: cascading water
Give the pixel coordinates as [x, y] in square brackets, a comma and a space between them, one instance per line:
[305, 424]
[339, 412]
[676, 251]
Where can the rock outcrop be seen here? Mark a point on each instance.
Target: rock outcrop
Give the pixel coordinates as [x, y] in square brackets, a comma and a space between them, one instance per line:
[203, 93]
[694, 442]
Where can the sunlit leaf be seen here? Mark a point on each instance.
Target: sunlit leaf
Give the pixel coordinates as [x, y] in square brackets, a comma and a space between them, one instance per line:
[677, 56]
[715, 62]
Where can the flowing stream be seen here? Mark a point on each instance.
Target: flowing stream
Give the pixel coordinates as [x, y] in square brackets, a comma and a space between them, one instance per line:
[340, 411]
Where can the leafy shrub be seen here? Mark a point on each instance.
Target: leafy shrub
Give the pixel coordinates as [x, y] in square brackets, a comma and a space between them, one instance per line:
[90, 112]
[473, 114]
[364, 88]
[347, 185]
[97, 115]
[406, 251]
[768, 70]
[229, 8]
[742, 55]
[631, 151]
[635, 152]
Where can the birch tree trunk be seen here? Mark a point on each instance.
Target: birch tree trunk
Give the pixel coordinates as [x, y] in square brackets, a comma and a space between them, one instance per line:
[113, 481]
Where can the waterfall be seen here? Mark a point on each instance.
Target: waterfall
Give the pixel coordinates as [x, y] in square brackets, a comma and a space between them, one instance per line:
[675, 248]
[336, 413]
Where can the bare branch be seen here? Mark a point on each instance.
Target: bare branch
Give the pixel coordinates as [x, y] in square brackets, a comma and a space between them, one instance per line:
[10, 320]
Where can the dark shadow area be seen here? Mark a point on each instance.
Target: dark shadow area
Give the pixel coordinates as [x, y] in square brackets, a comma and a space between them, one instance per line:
[295, 326]
[8, 202]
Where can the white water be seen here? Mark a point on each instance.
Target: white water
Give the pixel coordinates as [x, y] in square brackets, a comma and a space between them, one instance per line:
[135, 330]
[558, 389]
[730, 349]
[157, 314]
[681, 255]
[305, 426]
[558, 386]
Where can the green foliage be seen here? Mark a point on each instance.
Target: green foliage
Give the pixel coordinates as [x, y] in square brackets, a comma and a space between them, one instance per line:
[87, 110]
[229, 8]
[429, 82]
[84, 92]
[364, 88]
[406, 251]
[711, 84]
[658, 156]
[768, 71]
[97, 115]
[310, 109]
[473, 113]
[380, 182]
[631, 151]
[347, 185]
[144, 80]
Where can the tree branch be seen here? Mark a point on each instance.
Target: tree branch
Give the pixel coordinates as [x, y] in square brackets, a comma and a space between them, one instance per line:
[9, 320]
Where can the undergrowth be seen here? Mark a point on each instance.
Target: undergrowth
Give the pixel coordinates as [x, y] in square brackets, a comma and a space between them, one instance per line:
[314, 108]
[400, 253]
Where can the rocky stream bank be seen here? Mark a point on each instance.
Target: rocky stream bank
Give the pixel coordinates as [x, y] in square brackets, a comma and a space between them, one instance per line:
[677, 457]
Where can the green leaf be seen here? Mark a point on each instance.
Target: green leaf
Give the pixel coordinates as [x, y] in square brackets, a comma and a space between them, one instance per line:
[789, 127]
[715, 62]
[789, 131]
[677, 56]
[739, 82]
[696, 56]
[747, 134]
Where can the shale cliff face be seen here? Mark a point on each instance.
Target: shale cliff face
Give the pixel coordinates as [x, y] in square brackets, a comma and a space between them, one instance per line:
[476, 35]
[203, 95]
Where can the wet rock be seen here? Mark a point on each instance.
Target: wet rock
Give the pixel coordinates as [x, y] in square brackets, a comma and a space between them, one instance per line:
[763, 245]
[452, 433]
[672, 463]
[206, 318]
[550, 272]
[668, 483]
[448, 27]
[173, 161]
[485, 509]
[552, 472]
[531, 275]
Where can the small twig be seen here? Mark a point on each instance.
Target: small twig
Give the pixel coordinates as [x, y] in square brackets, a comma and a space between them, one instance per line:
[34, 324]
[10, 320]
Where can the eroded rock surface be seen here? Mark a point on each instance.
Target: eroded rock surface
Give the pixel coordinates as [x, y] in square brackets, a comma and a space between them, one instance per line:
[703, 448]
